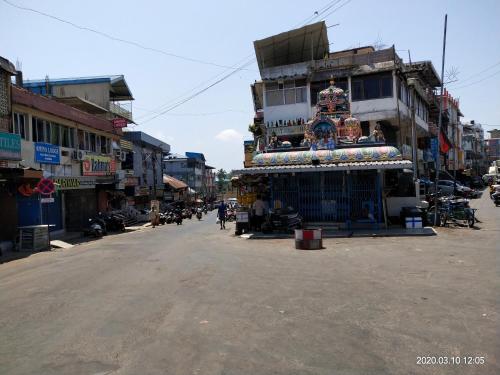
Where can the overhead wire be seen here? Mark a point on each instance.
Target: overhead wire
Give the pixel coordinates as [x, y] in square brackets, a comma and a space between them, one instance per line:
[117, 39]
[476, 74]
[476, 82]
[182, 101]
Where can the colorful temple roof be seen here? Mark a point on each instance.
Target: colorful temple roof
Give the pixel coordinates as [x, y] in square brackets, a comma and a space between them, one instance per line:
[345, 155]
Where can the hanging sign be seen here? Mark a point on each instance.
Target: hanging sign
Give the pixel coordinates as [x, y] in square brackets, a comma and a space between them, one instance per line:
[119, 123]
[47, 154]
[45, 186]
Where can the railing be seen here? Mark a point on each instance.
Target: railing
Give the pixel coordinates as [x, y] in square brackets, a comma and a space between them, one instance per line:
[354, 60]
[287, 130]
[120, 111]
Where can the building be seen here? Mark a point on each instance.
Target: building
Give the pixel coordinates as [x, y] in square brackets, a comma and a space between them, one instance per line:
[143, 168]
[493, 146]
[474, 146]
[191, 169]
[383, 91]
[104, 96]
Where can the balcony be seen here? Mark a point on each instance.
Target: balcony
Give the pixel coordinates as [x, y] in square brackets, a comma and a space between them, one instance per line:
[357, 60]
[287, 130]
[119, 110]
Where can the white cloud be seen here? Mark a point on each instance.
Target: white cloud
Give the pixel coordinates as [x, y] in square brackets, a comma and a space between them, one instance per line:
[229, 135]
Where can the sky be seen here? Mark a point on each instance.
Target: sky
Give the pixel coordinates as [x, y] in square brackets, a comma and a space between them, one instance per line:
[221, 34]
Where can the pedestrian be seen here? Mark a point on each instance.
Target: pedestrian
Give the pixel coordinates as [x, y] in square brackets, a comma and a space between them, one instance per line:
[221, 215]
[258, 208]
[154, 217]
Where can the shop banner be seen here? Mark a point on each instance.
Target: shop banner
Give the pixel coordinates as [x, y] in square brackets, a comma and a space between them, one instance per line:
[72, 183]
[95, 165]
[10, 146]
[47, 154]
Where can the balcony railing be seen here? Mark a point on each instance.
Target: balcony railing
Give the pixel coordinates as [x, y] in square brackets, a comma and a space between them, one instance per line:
[287, 130]
[120, 111]
[356, 60]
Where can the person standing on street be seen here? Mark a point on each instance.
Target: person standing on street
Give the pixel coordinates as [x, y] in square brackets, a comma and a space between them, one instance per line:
[221, 214]
[258, 207]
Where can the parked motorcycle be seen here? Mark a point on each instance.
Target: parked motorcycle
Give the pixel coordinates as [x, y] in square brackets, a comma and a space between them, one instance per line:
[163, 218]
[496, 199]
[95, 227]
[178, 217]
[113, 222]
[284, 220]
[199, 213]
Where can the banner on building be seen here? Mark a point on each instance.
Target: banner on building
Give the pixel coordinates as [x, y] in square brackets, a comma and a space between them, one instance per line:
[72, 183]
[10, 146]
[119, 123]
[47, 153]
[95, 165]
[434, 149]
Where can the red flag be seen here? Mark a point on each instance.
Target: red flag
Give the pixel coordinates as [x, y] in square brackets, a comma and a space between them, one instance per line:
[444, 143]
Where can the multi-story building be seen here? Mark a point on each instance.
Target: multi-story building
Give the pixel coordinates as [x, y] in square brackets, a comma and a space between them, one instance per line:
[493, 146]
[382, 90]
[474, 147]
[143, 166]
[192, 169]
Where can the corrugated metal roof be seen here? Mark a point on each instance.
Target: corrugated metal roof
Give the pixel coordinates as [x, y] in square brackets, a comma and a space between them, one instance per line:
[173, 182]
[393, 164]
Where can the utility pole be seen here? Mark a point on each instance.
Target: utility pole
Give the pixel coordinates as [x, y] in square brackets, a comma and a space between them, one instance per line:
[440, 120]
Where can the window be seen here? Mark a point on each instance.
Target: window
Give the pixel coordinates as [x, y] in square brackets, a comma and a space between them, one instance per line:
[55, 136]
[92, 140]
[289, 92]
[81, 139]
[67, 136]
[104, 145]
[39, 129]
[372, 87]
[20, 125]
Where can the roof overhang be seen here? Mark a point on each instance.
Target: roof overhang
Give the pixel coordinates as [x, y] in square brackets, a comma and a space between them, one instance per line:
[303, 168]
[80, 103]
[295, 46]
[119, 88]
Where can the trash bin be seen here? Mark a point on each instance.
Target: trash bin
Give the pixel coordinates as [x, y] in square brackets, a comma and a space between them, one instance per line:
[308, 239]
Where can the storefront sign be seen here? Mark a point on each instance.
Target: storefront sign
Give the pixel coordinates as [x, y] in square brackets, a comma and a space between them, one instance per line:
[119, 123]
[10, 146]
[94, 165]
[71, 183]
[47, 154]
[47, 200]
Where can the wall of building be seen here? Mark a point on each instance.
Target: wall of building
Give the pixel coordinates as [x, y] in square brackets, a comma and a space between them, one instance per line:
[97, 93]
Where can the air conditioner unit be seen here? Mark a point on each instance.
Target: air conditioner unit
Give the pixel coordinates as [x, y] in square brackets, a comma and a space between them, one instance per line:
[74, 155]
[80, 155]
[123, 155]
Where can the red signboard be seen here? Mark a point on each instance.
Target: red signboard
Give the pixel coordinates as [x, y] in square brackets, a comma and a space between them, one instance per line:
[45, 186]
[119, 123]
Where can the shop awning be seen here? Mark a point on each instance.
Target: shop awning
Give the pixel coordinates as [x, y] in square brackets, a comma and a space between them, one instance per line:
[355, 166]
[173, 182]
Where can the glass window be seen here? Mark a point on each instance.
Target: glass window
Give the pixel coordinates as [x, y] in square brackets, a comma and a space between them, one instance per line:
[38, 128]
[81, 139]
[357, 90]
[301, 95]
[92, 140]
[289, 84]
[274, 97]
[290, 96]
[372, 87]
[20, 125]
[271, 86]
[104, 145]
[55, 137]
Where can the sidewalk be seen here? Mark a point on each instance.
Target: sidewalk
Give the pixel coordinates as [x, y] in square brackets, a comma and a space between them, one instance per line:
[391, 232]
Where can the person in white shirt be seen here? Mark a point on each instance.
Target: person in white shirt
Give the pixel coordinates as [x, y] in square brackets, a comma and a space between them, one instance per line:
[258, 209]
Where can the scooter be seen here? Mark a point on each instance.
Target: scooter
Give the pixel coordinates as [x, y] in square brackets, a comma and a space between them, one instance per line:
[178, 218]
[284, 220]
[199, 214]
[95, 228]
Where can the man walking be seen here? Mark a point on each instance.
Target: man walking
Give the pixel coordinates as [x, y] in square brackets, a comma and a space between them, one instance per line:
[221, 214]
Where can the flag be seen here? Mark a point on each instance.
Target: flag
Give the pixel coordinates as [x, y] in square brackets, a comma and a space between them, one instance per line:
[444, 143]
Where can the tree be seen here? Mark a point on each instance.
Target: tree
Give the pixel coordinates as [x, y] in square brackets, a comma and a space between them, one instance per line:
[221, 180]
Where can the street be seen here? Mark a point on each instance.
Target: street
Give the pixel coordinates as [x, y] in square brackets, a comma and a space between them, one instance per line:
[197, 300]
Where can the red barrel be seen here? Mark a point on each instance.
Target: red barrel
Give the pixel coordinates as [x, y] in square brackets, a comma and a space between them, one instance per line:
[308, 239]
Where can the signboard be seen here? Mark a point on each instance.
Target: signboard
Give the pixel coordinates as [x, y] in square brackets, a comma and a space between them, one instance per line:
[10, 146]
[72, 183]
[45, 186]
[95, 165]
[119, 123]
[47, 200]
[434, 148]
[47, 154]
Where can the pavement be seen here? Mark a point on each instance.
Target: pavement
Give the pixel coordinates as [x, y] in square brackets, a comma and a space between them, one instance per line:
[194, 299]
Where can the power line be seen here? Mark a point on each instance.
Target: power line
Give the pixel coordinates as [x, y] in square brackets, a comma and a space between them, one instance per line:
[182, 101]
[479, 73]
[475, 82]
[116, 39]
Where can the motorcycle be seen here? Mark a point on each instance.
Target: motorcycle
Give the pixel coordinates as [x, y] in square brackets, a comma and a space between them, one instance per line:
[169, 217]
[113, 222]
[163, 218]
[178, 217]
[199, 214]
[205, 211]
[284, 220]
[496, 199]
[95, 228]
[230, 215]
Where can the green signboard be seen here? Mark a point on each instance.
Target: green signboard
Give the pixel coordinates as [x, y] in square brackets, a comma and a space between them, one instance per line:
[10, 146]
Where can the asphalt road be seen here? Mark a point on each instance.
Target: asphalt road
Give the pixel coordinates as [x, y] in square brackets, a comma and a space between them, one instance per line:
[196, 300]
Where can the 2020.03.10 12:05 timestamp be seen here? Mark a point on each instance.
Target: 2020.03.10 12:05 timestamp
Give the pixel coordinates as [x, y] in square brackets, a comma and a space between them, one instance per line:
[452, 360]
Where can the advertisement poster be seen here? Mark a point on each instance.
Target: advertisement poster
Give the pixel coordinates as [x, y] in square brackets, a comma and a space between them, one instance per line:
[95, 165]
[10, 146]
